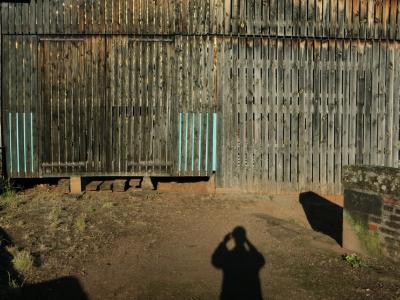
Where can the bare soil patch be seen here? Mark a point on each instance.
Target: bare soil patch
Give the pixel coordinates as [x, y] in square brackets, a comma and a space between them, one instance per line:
[159, 245]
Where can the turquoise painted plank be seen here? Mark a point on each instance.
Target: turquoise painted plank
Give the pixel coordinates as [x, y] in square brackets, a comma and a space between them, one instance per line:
[32, 168]
[199, 141]
[193, 142]
[17, 133]
[180, 143]
[23, 114]
[186, 140]
[10, 141]
[214, 158]
[206, 159]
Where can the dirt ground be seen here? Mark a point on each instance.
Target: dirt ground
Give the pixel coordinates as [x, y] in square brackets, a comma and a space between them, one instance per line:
[163, 245]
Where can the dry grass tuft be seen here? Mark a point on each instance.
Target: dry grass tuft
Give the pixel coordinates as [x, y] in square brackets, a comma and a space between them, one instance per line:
[22, 260]
[8, 196]
[80, 223]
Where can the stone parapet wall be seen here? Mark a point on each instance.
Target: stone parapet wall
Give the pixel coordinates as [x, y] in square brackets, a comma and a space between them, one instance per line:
[371, 212]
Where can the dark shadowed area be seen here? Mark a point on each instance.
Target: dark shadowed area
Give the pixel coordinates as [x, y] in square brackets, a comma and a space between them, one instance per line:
[66, 288]
[323, 215]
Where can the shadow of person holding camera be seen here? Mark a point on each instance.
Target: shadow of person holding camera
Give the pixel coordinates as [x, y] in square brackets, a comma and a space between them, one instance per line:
[240, 265]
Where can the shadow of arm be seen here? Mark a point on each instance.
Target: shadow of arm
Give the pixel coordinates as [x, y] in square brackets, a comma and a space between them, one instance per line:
[258, 257]
[218, 259]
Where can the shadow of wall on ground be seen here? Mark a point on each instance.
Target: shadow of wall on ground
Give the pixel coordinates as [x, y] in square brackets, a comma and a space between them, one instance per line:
[323, 215]
[65, 288]
[7, 271]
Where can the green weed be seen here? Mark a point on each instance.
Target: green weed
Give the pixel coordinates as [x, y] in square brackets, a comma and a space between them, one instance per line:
[353, 259]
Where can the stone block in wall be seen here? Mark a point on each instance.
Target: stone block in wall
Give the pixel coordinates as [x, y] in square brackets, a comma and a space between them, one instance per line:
[371, 219]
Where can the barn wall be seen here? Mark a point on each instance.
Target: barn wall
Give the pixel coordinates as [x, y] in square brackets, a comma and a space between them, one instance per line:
[306, 18]
[273, 95]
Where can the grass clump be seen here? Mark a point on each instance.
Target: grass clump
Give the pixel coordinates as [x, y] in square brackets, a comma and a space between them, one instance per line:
[13, 283]
[353, 259]
[8, 193]
[80, 223]
[54, 217]
[22, 260]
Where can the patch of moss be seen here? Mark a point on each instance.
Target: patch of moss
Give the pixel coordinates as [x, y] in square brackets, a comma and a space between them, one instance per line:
[369, 239]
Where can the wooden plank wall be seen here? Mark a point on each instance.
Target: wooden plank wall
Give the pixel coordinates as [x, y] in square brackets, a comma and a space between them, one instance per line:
[273, 95]
[311, 18]
[291, 112]
[296, 111]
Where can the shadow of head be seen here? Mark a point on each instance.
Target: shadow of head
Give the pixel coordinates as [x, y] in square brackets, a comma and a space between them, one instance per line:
[323, 215]
[239, 235]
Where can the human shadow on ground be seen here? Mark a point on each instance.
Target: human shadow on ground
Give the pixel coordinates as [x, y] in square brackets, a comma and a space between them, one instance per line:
[13, 286]
[240, 265]
[323, 215]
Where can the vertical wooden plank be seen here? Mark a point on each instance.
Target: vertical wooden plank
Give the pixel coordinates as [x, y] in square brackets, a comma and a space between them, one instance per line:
[396, 111]
[346, 102]
[258, 112]
[16, 103]
[265, 111]
[316, 124]
[257, 16]
[273, 87]
[116, 89]
[374, 103]
[27, 106]
[332, 111]
[101, 90]
[4, 18]
[18, 18]
[280, 157]
[250, 115]
[76, 115]
[367, 60]
[234, 84]
[196, 102]
[323, 111]
[11, 18]
[360, 104]
[303, 136]
[353, 103]
[382, 105]
[294, 115]
[35, 108]
[311, 17]
[242, 16]
[90, 78]
[286, 84]
[6, 97]
[136, 48]
[338, 119]
[280, 17]
[25, 18]
[389, 80]
[131, 113]
[309, 106]
[341, 21]
[62, 102]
